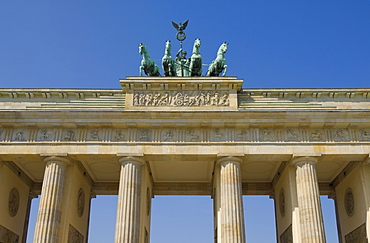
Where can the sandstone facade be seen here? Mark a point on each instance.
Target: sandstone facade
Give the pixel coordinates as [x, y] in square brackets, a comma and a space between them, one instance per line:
[184, 136]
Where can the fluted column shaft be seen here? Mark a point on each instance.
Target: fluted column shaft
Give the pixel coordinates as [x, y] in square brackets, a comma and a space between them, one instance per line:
[128, 208]
[310, 212]
[232, 215]
[50, 208]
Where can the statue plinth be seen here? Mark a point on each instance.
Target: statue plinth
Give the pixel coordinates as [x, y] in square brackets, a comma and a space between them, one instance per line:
[176, 93]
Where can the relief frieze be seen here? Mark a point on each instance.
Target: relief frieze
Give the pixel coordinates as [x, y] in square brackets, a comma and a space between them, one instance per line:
[241, 135]
[341, 135]
[169, 136]
[287, 235]
[119, 135]
[365, 134]
[19, 136]
[7, 235]
[94, 135]
[292, 135]
[69, 135]
[317, 135]
[74, 236]
[192, 136]
[357, 236]
[199, 134]
[44, 135]
[181, 98]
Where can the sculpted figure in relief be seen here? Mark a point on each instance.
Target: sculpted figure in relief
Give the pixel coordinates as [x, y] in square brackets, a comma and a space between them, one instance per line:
[183, 98]
[44, 135]
[266, 133]
[365, 134]
[341, 135]
[119, 135]
[193, 136]
[291, 135]
[169, 136]
[242, 135]
[13, 202]
[316, 135]
[19, 136]
[69, 136]
[224, 100]
[144, 135]
[218, 135]
[94, 134]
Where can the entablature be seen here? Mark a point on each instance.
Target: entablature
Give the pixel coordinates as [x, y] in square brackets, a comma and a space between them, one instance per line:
[200, 133]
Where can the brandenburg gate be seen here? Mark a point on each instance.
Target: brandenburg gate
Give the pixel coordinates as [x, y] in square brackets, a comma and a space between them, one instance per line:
[184, 136]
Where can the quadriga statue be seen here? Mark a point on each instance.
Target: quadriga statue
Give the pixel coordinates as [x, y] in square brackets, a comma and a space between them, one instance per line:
[219, 64]
[147, 65]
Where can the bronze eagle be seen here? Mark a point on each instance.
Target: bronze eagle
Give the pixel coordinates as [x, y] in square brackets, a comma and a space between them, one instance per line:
[180, 27]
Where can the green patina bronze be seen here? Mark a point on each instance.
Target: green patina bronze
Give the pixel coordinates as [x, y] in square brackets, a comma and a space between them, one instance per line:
[183, 66]
[147, 65]
[219, 63]
[180, 35]
[168, 64]
[195, 67]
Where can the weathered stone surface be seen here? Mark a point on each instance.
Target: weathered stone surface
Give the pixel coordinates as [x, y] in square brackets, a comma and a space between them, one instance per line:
[50, 213]
[7, 236]
[180, 140]
[128, 208]
[310, 213]
[232, 214]
[287, 236]
[74, 236]
[357, 236]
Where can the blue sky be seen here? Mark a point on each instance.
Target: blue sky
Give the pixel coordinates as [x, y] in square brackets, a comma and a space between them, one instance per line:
[272, 44]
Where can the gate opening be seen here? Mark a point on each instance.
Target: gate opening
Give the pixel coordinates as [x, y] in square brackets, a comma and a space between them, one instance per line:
[102, 218]
[182, 219]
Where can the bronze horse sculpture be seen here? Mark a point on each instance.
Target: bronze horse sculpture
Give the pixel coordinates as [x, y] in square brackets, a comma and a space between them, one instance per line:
[168, 64]
[195, 67]
[147, 65]
[219, 64]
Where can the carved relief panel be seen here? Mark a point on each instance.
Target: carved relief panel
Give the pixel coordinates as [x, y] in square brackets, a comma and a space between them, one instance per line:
[180, 98]
[176, 134]
[357, 236]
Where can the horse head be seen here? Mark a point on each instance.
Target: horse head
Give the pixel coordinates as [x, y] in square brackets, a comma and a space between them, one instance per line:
[223, 47]
[196, 46]
[168, 46]
[142, 49]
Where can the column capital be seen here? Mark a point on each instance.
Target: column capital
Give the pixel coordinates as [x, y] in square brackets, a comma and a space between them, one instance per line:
[57, 158]
[228, 159]
[303, 160]
[135, 159]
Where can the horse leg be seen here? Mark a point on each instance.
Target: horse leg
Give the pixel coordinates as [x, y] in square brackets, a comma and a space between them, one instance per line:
[156, 70]
[225, 69]
[141, 70]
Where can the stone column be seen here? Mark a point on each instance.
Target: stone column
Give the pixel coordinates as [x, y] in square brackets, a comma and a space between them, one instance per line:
[50, 208]
[232, 215]
[128, 208]
[310, 213]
